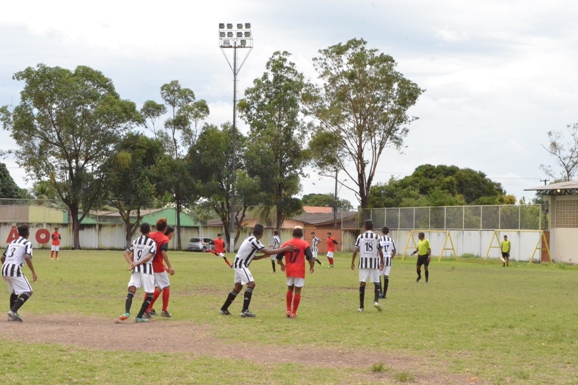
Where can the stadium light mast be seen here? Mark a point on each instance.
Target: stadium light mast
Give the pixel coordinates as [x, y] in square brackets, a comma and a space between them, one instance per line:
[231, 38]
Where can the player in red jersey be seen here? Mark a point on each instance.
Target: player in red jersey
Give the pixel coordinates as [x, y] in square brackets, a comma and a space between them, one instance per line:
[294, 268]
[220, 248]
[55, 244]
[331, 242]
[162, 284]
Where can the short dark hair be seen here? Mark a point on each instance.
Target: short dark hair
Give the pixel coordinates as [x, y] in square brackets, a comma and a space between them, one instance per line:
[297, 233]
[145, 228]
[170, 229]
[23, 231]
[220, 235]
[258, 229]
[421, 234]
[313, 233]
[368, 224]
[275, 232]
[328, 233]
[385, 230]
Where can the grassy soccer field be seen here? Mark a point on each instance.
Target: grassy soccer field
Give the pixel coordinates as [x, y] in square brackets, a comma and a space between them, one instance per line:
[474, 323]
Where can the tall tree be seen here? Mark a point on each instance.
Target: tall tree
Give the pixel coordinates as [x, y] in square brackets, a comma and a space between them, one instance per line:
[272, 109]
[8, 188]
[565, 151]
[65, 127]
[130, 176]
[181, 131]
[360, 109]
[210, 164]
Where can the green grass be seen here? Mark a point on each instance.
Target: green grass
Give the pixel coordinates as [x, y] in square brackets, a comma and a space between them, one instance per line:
[514, 325]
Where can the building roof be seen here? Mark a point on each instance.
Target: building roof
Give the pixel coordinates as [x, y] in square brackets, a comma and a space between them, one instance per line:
[561, 188]
[317, 209]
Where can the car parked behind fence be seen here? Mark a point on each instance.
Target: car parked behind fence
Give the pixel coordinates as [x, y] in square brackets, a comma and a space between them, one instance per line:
[201, 244]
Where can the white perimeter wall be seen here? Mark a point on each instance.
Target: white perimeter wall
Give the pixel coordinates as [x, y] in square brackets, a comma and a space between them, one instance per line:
[466, 242]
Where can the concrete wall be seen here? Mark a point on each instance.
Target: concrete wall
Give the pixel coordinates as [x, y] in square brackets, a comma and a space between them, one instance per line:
[112, 236]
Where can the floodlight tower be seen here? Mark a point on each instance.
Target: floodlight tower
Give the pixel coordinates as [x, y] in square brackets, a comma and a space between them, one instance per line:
[231, 38]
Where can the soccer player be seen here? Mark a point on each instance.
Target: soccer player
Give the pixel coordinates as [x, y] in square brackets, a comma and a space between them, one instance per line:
[220, 248]
[139, 256]
[388, 249]
[275, 244]
[246, 254]
[161, 237]
[18, 252]
[505, 246]
[55, 244]
[370, 263]
[331, 242]
[423, 251]
[294, 268]
[315, 241]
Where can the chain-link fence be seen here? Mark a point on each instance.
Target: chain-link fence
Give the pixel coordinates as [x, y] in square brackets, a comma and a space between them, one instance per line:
[521, 217]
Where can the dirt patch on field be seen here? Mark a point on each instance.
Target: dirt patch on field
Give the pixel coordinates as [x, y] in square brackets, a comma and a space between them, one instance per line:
[198, 340]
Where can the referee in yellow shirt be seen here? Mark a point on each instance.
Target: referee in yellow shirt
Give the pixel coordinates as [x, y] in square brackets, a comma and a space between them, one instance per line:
[423, 251]
[506, 247]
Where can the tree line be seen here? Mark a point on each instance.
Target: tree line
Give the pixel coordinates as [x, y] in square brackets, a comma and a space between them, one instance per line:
[76, 134]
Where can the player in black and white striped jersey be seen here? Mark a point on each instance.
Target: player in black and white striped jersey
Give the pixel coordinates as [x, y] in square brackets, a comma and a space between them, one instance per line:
[246, 254]
[370, 263]
[315, 241]
[18, 252]
[139, 256]
[388, 248]
[275, 244]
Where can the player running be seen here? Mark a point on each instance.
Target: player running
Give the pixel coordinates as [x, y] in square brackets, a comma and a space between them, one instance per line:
[294, 268]
[246, 254]
[220, 248]
[18, 252]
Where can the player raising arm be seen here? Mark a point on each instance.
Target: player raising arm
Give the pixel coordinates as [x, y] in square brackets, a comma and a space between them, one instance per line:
[246, 254]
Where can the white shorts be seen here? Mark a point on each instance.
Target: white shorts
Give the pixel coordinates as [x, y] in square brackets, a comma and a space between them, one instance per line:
[297, 282]
[314, 254]
[221, 255]
[18, 285]
[330, 254]
[162, 280]
[146, 281]
[385, 271]
[243, 275]
[371, 274]
[55, 248]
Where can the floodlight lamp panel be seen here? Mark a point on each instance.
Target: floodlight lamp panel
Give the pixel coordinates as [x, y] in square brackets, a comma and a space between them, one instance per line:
[229, 26]
[247, 34]
[221, 25]
[247, 25]
[239, 26]
[239, 34]
[222, 34]
[229, 34]
[226, 43]
[243, 43]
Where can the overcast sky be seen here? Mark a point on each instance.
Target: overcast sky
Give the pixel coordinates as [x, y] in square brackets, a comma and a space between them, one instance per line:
[498, 74]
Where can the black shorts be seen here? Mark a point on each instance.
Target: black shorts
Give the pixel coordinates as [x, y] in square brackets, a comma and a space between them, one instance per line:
[423, 260]
[505, 255]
